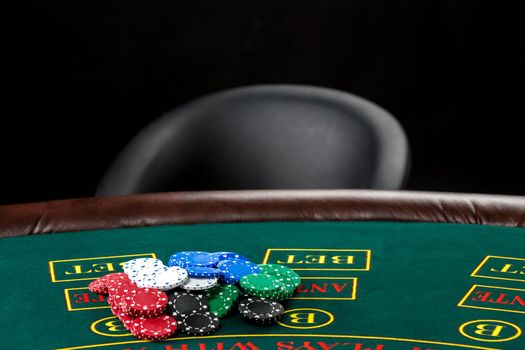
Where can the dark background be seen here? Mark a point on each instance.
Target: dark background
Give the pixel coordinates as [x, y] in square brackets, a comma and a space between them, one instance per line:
[85, 76]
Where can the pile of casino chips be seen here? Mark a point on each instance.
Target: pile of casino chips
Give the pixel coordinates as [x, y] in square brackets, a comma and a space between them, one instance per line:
[194, 292]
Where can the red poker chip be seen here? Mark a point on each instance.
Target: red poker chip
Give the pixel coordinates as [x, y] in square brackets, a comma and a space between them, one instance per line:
[97, 286]
[115, 310]
[120, 287]
[117, 292]
[114, 278]
[126, 320]
[156, 328]
[145, 302]
[119, 295]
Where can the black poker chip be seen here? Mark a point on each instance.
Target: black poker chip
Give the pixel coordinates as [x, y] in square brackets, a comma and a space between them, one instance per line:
[260, 311]
[199, 323]
[181, 304]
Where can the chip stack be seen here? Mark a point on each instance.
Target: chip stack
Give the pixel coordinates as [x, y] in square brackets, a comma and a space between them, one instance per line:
[260, 311]
[289, 279]
[222, 299]
[194, 292]
[141, 310]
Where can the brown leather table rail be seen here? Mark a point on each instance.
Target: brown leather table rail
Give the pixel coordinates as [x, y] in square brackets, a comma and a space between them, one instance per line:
[251, 206]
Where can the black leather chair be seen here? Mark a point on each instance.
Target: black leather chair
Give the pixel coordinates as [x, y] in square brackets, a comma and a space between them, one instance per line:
[265, 137]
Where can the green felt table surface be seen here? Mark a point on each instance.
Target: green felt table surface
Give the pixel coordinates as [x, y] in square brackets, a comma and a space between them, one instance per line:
[366, 285]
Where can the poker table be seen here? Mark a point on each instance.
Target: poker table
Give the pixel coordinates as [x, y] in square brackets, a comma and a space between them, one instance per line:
[380, 270]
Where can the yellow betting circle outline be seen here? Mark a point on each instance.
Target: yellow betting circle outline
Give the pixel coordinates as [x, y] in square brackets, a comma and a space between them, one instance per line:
[462, 327]
[330, 318]
[94, 330]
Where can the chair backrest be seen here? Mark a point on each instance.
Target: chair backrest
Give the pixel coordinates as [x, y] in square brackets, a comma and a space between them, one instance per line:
[265, 137]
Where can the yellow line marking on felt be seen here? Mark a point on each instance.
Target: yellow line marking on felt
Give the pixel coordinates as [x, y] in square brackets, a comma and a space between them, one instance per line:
[469, 293]
[368, 254]
[331, 318]
[94, 329]
[104, 257]
[484, 262]
[492, 309]
[462, 331]
[52, 262]
[352, 297]
[70, 307]
[406, 340]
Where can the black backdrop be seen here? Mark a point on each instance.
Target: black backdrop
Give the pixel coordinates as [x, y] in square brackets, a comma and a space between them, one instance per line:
[85, 76]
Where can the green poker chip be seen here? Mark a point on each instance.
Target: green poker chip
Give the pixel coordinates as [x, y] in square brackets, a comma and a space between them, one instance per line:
[221, 299]
[261, 285]
[289, 279]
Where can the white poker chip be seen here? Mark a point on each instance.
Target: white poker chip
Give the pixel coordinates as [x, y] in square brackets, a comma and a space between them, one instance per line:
[141, 284]
[200, 283]
[140, 263]
[170, 278]
[145, 272]
[148, 270]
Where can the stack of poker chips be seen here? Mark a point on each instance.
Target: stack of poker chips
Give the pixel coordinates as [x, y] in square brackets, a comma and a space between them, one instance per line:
[194, 292]
[141, 310]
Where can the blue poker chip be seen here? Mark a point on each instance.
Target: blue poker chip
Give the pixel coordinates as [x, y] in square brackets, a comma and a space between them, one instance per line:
[228, 256]
[220, 263]
[197, 271]
[174, 262]
[233, 270]
[228, 279]
[190, 258]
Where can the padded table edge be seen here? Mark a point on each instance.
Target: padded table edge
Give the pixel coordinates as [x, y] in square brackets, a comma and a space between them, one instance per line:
[259, 205]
